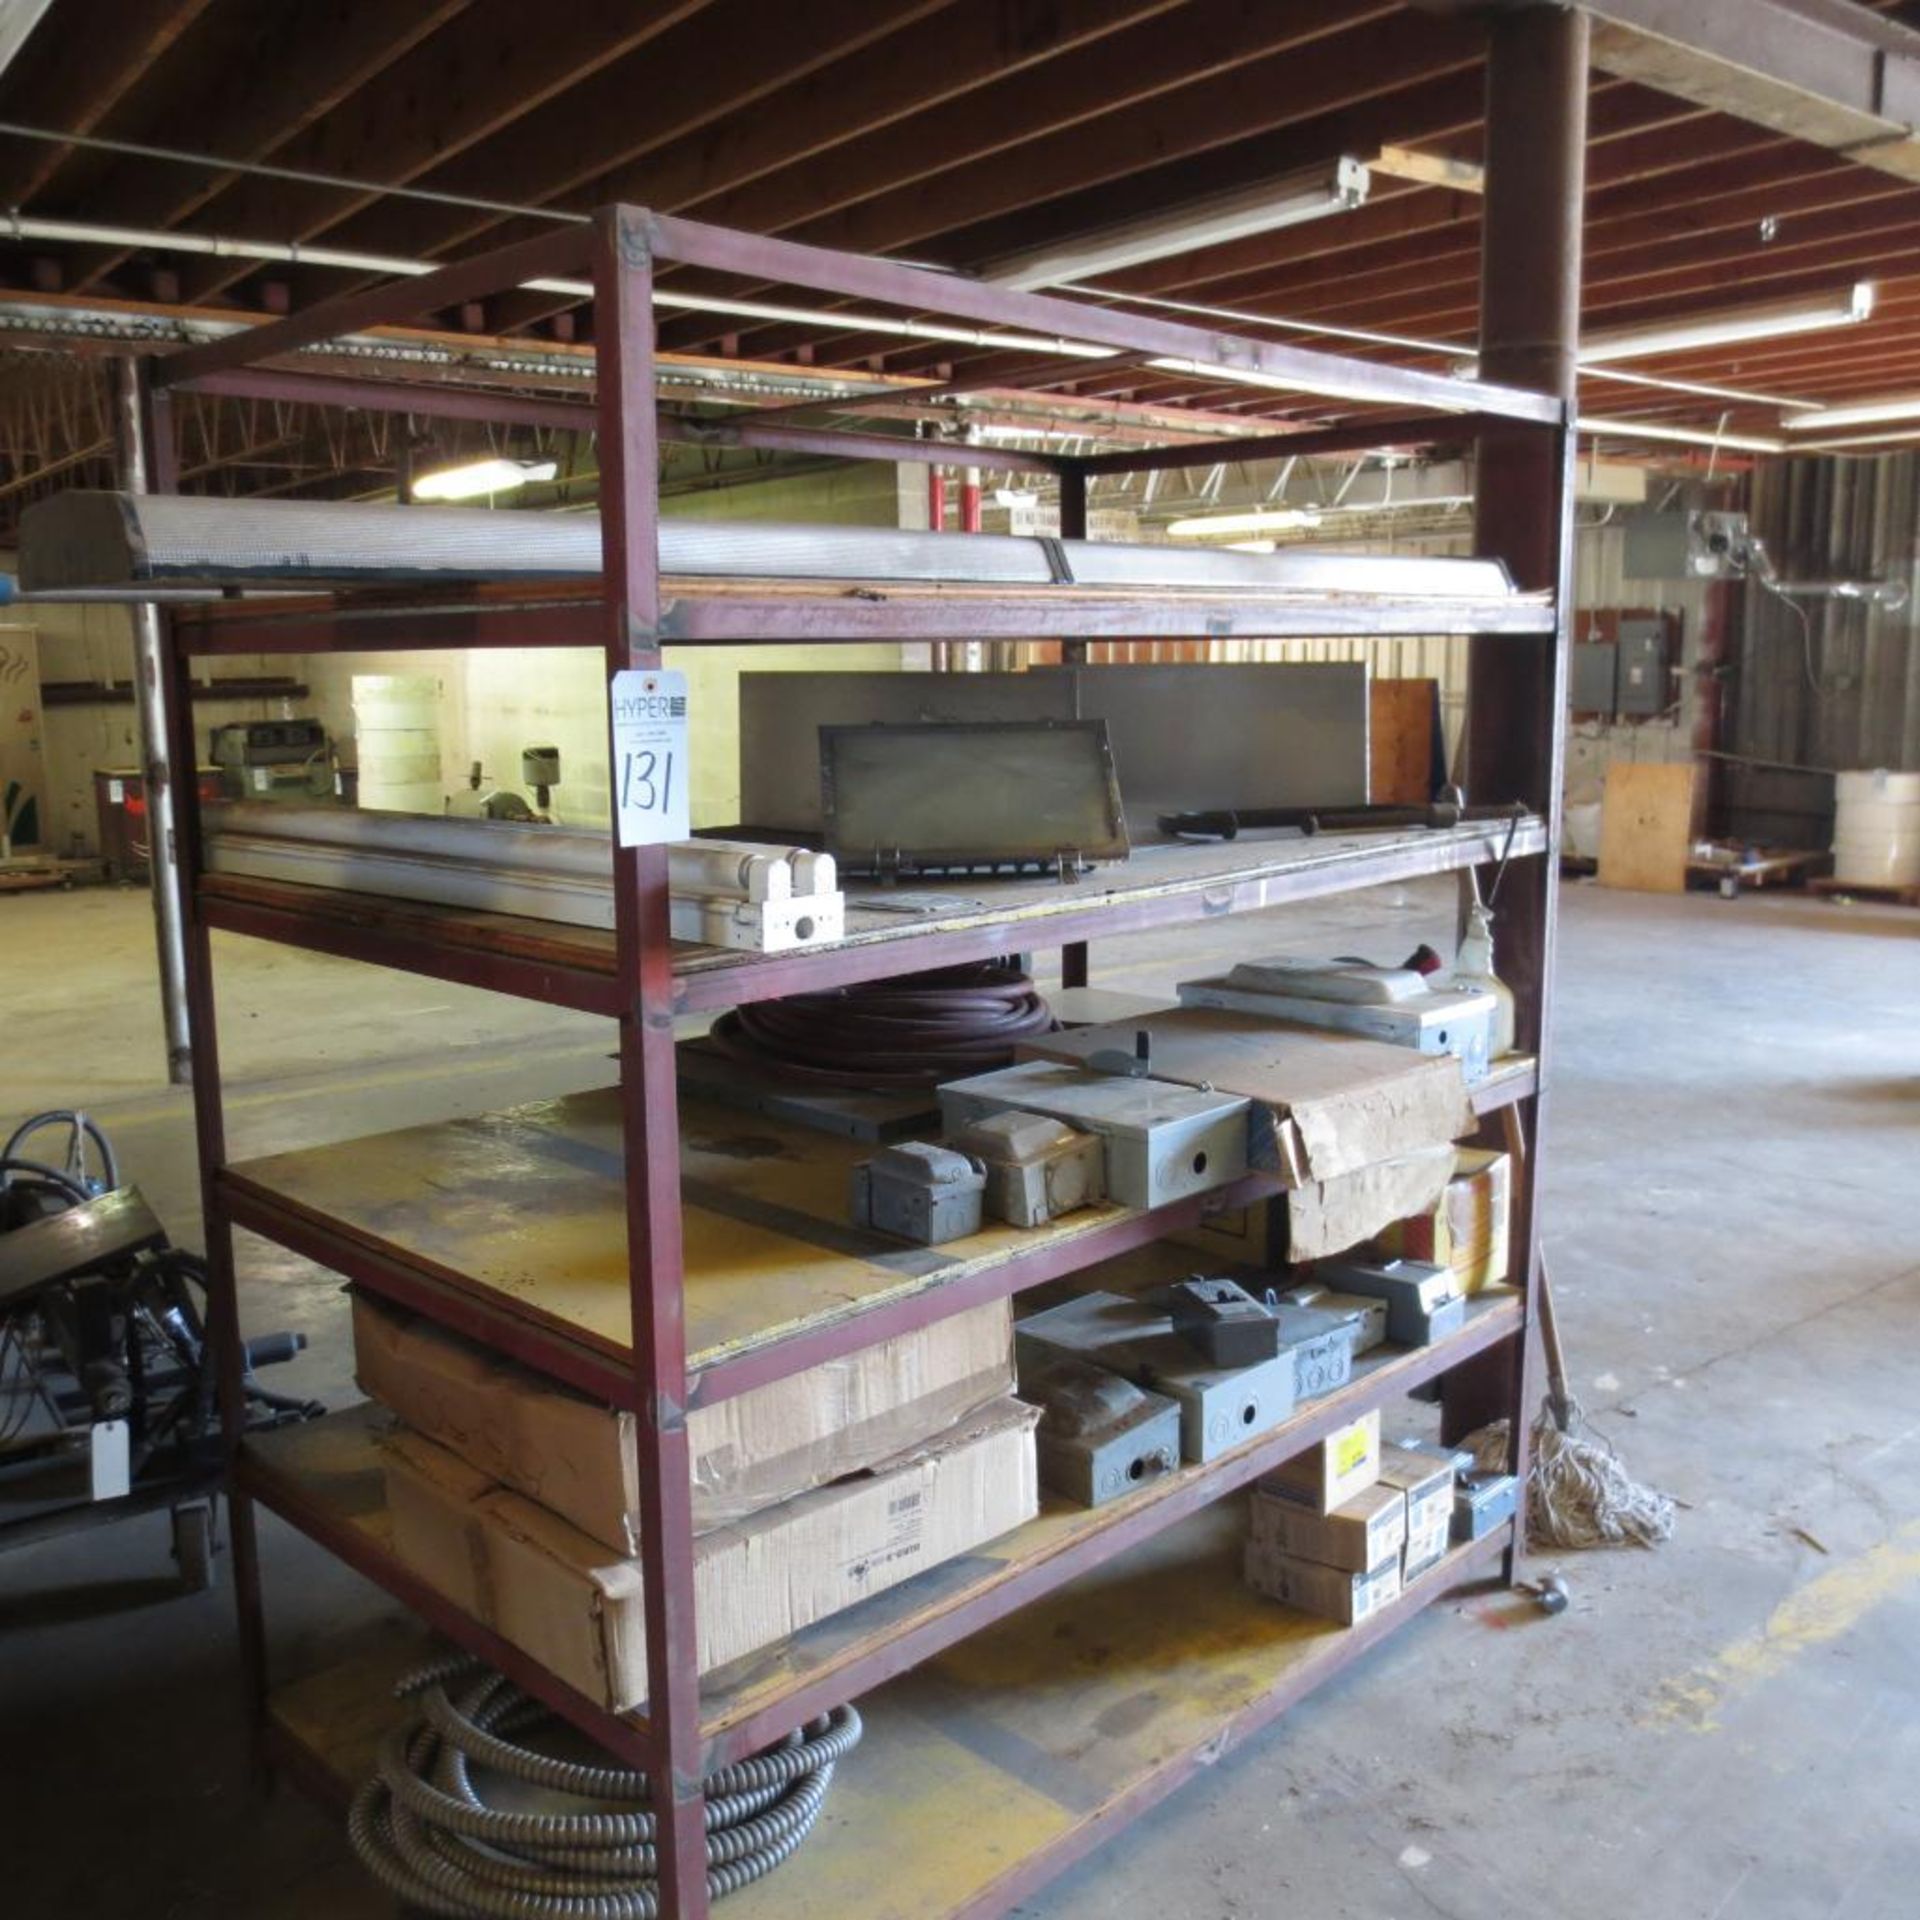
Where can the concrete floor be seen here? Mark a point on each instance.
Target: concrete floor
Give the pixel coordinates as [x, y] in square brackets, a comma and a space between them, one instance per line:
[1726, 1730]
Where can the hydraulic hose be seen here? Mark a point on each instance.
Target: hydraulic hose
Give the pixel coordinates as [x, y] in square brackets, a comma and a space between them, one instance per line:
[424, 1827]
[913, 1032]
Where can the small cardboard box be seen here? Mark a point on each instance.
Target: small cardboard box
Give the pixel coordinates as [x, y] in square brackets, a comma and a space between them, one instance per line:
[751, 1451]
[1361, 1534]
[560, 1597]
[1466, 1228]
[1333, 1593]
[1428, 1485]
[1346, 1462]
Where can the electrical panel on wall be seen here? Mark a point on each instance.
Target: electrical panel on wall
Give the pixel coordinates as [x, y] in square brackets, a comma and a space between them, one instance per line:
[1687, 545]
[1640, 678]
[1622, 663]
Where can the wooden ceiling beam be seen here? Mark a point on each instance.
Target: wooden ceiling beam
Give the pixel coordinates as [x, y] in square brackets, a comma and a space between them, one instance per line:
[448, 92]
[75, 71]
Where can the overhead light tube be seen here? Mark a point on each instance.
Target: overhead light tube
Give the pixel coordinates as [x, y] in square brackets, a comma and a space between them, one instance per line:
[1861, 413]
[1209, 222]
[474, 479]
[1730, 328]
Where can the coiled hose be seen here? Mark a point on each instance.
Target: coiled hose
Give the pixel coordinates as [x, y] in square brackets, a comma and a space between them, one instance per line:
[423, 1828]
[916, 1031]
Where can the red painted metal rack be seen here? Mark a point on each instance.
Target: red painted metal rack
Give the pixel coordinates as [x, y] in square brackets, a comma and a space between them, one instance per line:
[641, 982]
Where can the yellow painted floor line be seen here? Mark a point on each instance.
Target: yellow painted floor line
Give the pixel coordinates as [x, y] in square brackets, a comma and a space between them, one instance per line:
[1814, 1615]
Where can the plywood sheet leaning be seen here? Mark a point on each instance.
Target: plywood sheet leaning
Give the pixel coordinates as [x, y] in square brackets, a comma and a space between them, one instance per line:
[1646, 825]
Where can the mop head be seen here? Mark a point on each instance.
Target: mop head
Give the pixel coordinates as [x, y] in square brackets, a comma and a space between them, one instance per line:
[1579, 1494]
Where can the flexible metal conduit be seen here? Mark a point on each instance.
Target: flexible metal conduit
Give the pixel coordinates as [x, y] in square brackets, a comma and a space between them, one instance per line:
[424, 1827]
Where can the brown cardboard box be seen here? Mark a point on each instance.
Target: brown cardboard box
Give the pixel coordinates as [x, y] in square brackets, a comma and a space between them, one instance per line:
[1428, 1486]
[1327, 1216]
[758, 1448]
[1332, 1592]
[560, 1597]
[1346, 1462]
[1358, 1535]
[1466, 1228]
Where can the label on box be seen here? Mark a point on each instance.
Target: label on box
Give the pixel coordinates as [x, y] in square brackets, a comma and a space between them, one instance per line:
[651, 775]
[1349, 1448]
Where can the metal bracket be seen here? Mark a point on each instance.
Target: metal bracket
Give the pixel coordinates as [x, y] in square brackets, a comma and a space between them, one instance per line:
[1057, 562]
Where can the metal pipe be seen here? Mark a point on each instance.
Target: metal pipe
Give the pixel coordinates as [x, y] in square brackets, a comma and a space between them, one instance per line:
[137, 475]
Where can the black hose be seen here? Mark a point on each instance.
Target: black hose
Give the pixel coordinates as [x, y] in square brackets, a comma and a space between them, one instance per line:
[78, 1124]
[913, 1032]
[423, 1828]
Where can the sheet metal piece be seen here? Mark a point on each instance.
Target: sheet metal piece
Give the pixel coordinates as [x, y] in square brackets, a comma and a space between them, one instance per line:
[103, 539]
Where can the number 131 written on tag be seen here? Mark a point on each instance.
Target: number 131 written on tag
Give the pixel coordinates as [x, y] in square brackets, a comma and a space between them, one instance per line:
[650, 770]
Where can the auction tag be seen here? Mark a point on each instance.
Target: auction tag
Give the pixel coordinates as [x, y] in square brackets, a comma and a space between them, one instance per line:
[650, 770]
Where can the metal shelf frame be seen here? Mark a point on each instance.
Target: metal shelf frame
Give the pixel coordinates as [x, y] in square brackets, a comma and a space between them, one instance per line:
[1526, 440]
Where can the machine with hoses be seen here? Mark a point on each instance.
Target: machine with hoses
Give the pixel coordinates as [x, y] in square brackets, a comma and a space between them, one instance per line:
[462, 1817]
[107, 1390]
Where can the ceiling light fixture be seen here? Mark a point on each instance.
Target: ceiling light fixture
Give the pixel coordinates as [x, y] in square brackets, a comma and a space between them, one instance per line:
[1256, 520]
[1598, 427]
[473, 479]
[1210, 222]
[1729, 329]
[1862, 413]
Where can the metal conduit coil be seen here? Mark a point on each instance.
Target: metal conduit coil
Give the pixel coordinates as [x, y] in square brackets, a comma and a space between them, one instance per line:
[425, 1829]
[916, 1031]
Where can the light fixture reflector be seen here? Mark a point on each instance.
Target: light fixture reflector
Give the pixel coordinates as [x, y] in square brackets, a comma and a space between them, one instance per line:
[474, 479]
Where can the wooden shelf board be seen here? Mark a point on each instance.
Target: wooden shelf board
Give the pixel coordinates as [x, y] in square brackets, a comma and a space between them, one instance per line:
[325, 1478]
[1161, 885]
[989, 1770]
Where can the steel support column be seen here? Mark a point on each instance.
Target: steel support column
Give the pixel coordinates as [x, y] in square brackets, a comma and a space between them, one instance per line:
[145, 459]
[630, 531]
[1516, 708]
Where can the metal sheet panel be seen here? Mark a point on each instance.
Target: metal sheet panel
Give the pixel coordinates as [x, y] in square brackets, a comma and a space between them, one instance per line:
[84, 539]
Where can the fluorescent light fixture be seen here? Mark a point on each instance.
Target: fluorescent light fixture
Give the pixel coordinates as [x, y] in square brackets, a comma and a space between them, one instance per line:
[1256, 520]
[1729, 329]
[1209, 222]
[1250, 546]
[1861, 413]
[1599, 427]
[473, 479]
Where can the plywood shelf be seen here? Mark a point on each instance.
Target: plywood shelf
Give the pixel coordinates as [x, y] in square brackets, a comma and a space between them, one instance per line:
[887, 933]
[325, 1479]
[988, 1770]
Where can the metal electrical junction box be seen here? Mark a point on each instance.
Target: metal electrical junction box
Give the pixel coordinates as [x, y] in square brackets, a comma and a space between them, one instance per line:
[1640, 683]
[919, 1192]
[1037, 1168]
[1364, 1319]
[1099, 1435]
[1424, 1302]
[1219, 1408]
[1223, 1322]
[1686, 546]
[1592, 676]
[1164, 1141]
[1322, 1346]
[274, 760]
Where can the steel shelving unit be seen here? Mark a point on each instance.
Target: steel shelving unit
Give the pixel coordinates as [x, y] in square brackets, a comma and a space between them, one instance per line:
[322, 1480]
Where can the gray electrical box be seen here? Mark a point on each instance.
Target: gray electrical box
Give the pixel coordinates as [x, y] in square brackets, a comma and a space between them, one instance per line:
[1640, 678]
[1686, 546]
[1592, 676]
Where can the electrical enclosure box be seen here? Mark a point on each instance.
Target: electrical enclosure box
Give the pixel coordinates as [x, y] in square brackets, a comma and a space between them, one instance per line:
[1640, 680]
[1592, 676]
[1686, 546]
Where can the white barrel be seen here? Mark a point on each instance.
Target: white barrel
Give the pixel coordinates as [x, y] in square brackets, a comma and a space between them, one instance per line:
[396, 725]
[1876, 828]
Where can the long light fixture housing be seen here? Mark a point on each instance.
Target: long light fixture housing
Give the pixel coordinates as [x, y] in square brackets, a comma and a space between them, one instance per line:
[1730, 328]
[474, 479]
[1209, 222]
[1862, 413]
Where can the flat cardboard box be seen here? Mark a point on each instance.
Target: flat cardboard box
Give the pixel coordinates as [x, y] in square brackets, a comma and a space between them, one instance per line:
[754, 1450]
[1465, 1226]
[1327, 1476]
[1358, 1535]
[1337, 1102]
[542, 1584]
[1331, 1592]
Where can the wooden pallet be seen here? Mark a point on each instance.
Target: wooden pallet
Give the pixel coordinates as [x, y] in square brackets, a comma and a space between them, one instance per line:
[1831, 889]
[1736, 868]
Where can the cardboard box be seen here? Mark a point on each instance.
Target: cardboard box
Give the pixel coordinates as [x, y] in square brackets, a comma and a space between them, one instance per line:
[1361, 1534]
[1331, 1592]
[1345, 1463]
[1467, 1227]
[752, 1451]
[1427, 1484]
[559, 1596]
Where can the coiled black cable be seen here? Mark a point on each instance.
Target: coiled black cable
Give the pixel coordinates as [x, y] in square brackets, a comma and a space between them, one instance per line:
[424, 1828]
[916, 1031]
